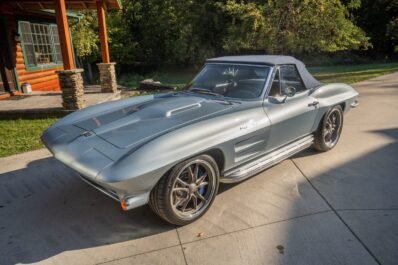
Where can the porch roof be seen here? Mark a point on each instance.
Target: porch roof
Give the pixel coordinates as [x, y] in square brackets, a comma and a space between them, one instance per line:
[70, 4]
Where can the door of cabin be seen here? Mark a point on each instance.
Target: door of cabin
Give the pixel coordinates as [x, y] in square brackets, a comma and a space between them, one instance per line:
[7, 78]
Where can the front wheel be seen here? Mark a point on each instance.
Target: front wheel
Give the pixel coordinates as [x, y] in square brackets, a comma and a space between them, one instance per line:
[187, 192]
[329, 130]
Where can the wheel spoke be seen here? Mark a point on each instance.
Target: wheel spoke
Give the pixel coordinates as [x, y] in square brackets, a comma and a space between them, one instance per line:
[181, 189]
[181, 182]
[199, 196]
[184, 206]
[191, 174]
[195, 201]
[201, 179]
[329, 121]
[195, 173]
[180, 201]
[202, 184]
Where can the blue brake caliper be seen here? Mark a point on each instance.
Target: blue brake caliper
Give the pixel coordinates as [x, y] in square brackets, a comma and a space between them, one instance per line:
[202, 190]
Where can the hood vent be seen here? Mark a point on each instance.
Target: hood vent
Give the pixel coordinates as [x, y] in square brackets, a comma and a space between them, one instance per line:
[182, 109]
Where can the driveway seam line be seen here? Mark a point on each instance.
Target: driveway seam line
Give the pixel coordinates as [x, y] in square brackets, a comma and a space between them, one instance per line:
[374, 209]
[338, 215]
[146, 252]
[182, 249]
[258, 226]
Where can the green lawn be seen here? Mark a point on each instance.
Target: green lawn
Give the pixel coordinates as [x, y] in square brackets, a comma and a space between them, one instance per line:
[352, 73]
[17, 136]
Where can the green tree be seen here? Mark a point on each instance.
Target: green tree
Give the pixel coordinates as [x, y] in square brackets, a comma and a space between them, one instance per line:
[379, 19]
[85, 41]
[291, 26]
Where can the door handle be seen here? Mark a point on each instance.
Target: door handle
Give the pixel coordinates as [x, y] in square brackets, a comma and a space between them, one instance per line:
[313, 104]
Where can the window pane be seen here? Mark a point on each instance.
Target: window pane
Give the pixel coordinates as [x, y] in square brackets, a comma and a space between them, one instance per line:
[291, 78]
[231, 80]
[29, 55]
[40, 43]
[276, 86]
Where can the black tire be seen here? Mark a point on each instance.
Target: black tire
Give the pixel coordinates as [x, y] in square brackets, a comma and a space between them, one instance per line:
[171, 193]
[322, 141]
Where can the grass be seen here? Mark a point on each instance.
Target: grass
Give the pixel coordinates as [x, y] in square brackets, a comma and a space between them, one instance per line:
[352, 73]
[17, 136]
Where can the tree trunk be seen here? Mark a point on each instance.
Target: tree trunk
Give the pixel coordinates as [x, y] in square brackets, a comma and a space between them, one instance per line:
[90, 72]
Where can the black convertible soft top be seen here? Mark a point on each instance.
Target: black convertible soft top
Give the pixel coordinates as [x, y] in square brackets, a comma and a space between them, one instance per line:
[308, 79]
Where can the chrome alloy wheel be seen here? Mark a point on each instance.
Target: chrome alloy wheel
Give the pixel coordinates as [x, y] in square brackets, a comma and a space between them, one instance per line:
[193, 189]
[332, 128]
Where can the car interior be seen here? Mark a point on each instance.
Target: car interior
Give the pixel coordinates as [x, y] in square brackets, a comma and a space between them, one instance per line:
[235, 81]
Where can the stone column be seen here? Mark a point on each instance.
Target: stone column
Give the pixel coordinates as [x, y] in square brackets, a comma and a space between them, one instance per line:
[107, 77]
[71, 82]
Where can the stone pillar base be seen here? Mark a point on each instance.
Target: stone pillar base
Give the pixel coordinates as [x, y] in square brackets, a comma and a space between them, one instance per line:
[107, 77]
[71, 82]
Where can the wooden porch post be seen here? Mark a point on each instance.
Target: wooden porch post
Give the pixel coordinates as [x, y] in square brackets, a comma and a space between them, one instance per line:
[106, 68]
[64, 37]
[102, 32]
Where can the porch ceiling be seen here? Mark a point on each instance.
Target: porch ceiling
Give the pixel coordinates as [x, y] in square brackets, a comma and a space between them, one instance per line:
[70, 4]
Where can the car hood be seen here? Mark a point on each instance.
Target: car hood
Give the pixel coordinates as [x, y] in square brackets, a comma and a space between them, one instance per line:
[136, 123]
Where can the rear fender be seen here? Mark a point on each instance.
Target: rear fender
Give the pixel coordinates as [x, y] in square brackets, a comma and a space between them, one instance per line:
[331, 95]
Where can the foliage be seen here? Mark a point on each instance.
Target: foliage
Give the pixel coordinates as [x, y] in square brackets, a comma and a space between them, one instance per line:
[291, 26]
[171, 30]
[379, 18]
[392, 32]
[85, 35]
[147, 34]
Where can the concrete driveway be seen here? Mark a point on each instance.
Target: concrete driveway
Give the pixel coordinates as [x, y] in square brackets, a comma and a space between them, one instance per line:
[339, 207]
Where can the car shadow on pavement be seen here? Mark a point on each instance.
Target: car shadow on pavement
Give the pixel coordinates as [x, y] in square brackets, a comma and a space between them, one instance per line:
[45, 209]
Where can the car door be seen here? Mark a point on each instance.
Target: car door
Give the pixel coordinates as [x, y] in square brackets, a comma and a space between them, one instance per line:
[293, 116]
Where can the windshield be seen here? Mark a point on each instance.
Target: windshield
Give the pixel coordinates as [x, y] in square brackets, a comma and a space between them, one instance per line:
[231, 80]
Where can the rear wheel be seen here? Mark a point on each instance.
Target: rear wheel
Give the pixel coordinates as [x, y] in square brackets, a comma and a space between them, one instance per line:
[329, 130]
[187, 192]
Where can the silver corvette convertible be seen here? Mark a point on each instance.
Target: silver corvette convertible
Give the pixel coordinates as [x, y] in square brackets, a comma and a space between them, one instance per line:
[239, 116]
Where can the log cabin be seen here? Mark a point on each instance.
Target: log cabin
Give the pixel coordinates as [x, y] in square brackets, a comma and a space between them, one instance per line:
[35, 41]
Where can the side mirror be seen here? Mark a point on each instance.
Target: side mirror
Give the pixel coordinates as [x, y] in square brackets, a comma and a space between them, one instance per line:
[289, 91]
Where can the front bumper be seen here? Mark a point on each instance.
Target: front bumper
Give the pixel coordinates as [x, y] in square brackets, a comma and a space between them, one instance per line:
[127, 202]
[90, 156]
[355, 104]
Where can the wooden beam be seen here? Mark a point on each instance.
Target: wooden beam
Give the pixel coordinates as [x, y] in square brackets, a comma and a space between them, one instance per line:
[63, 31]
[102, 32]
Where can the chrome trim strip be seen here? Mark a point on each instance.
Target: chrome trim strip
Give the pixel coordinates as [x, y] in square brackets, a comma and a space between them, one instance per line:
[101, 189]
[268, 160]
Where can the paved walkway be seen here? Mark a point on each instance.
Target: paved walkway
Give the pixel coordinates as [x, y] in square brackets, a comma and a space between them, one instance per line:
[339, 207]
[52, 100]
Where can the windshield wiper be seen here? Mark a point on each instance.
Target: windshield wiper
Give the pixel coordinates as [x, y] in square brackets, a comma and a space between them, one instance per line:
[205, 91]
